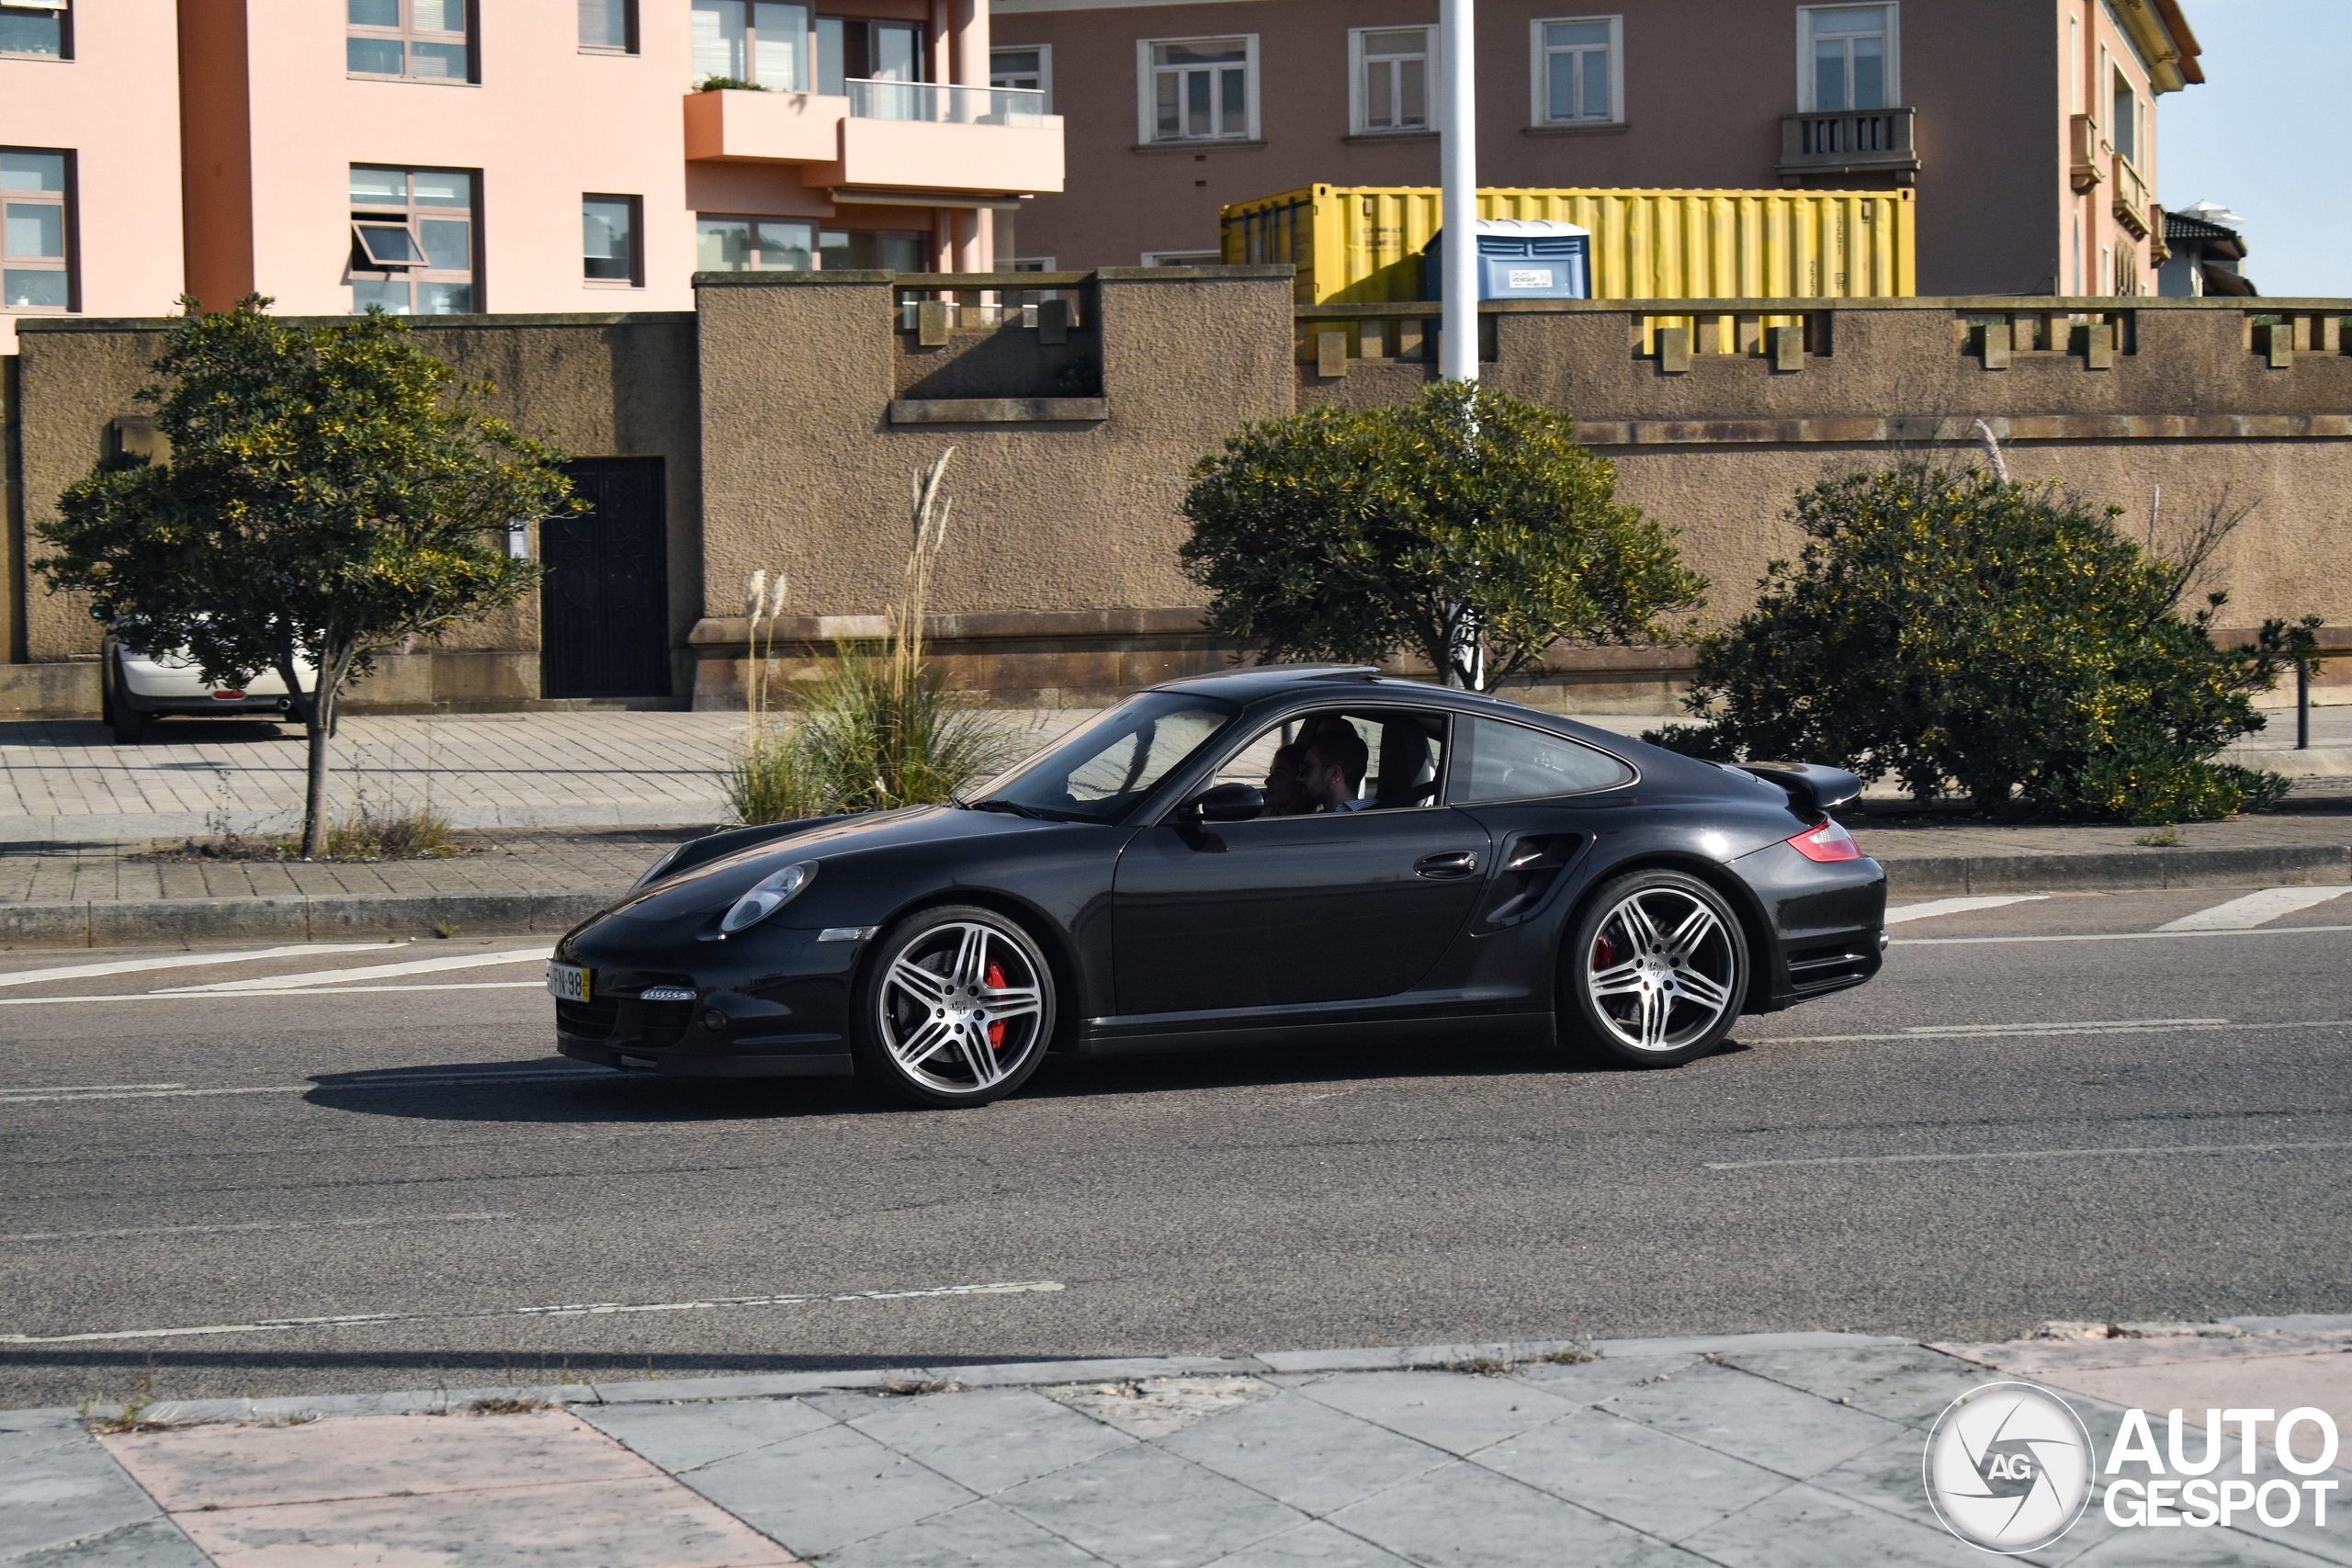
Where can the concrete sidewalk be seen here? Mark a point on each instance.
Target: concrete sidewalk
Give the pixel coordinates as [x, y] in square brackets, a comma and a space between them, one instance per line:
[563, 812]
[1744, 1450]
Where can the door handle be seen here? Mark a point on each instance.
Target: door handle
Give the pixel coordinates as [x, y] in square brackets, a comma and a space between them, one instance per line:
[1456, 862]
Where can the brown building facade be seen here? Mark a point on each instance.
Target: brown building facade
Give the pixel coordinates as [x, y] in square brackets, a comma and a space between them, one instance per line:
[2027, 127]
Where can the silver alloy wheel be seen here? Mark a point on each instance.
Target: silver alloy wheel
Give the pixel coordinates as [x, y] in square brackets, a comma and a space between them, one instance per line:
[960, 1008]
[1662, 969]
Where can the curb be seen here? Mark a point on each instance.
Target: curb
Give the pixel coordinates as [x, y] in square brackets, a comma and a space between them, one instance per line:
[298, 918]
[2291, 866]
[1019, 1374]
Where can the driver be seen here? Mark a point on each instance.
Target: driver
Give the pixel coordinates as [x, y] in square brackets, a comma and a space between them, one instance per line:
[1331, 770]
[1284, 796]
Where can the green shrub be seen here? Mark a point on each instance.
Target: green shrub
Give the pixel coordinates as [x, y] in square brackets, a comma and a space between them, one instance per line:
[1467, 526]
[1951, 626]
[869, 734]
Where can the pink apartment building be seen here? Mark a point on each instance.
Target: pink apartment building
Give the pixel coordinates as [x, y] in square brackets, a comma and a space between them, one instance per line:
[461, 156]
[2027, 127]
[89, 160]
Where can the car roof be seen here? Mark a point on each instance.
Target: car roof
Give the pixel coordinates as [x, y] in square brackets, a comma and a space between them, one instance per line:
[1261, 685]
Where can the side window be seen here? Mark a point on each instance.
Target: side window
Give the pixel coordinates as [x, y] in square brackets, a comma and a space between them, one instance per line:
[1388, 758]
[1496, 760]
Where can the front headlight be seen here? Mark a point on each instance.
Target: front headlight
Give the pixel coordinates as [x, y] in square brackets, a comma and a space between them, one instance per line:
[767, 896]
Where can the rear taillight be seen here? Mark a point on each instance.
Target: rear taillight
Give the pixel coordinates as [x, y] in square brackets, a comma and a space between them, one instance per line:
[1830, 842]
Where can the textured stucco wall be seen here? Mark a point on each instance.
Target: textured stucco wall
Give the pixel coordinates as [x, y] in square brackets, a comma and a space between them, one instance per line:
[804, 471]
[598, 386]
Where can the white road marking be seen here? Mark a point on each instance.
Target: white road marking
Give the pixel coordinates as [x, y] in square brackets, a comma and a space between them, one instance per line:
[2032, 1153]
[39, 1096]
[300, 991]
[1934, 906]
[579, 1309]
[2027, 1030]
[178, 961]
[2244, 914]
[2117, 936]
[372, 971]
[2038, 1024]
[254, 1225]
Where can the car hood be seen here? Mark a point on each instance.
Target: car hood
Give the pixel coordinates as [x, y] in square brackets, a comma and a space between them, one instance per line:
[717, 883]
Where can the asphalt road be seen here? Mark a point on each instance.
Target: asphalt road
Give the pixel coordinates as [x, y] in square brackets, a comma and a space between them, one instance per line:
[2021, 1126]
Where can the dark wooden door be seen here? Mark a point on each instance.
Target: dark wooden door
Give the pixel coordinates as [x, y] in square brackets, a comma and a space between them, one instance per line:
[604, 604]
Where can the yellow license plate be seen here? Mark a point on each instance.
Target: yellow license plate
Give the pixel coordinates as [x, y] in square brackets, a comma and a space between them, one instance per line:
[570, 982]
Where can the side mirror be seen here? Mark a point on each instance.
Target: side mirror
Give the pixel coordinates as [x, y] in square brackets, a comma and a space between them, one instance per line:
[1228, 803]
[102, 611]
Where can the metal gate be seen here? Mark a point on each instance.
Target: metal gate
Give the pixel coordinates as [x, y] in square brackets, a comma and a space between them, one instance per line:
[604, 604]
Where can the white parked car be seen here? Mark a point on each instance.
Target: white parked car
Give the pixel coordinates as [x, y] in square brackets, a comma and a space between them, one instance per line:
[137, 686]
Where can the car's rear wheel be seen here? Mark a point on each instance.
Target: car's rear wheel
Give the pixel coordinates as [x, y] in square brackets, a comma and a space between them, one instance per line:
[1656, 970]
[955, 1008]
[130, 726]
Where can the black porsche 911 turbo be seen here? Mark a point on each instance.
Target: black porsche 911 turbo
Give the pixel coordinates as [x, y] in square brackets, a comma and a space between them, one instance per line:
[1155, 879]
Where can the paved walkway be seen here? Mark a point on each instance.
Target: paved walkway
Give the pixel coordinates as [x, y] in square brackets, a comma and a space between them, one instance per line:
[1749, 1452]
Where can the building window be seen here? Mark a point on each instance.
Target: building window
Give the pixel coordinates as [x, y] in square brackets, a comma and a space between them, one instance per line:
[876, 250]
[2123, 129]
[608, 244]
[413, 241]
[754, 42]
[420, 40]
[1845, 57]
[1025, 263]
[608, 27]
[35, 261]
[42, 29]
[1580, 70]
[1200, 89]
[1183, 258]
[1029, 69]
[753, 245]
[1388, 72]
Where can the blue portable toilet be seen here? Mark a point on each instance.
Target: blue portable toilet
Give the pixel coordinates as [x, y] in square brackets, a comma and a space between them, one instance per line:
[1520, 258]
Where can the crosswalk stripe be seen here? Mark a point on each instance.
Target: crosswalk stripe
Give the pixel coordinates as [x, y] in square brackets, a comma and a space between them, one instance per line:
[177, 961]
[1934, 906]
[372, 971]
[2253, 909]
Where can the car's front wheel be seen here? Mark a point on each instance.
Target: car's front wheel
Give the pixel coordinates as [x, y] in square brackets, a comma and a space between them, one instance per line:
[1656, 970]
[955, 1008]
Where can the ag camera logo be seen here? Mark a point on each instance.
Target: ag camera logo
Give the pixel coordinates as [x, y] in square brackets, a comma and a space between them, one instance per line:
[2008, 1467]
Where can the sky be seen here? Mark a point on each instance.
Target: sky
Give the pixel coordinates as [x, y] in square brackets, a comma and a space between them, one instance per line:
[2268, 136]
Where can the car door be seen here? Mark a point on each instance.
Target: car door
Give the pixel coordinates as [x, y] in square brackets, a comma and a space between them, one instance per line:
[1295, 911]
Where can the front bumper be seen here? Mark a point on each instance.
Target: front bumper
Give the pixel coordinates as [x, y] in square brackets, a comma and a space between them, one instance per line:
[275, 707]
[770, 1004]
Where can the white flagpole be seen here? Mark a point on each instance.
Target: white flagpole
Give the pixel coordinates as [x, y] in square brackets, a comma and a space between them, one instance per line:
[1458, 173]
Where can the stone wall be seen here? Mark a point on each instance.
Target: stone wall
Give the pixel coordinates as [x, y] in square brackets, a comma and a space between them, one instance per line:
[596, 385]
[793, 409]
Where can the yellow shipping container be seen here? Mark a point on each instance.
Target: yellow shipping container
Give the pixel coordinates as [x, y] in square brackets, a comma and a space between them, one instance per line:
[1358, 246]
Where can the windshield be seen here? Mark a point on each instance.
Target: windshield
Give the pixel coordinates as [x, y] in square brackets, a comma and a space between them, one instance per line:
[1097, 772]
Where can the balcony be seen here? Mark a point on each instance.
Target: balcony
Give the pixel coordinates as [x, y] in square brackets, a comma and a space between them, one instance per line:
[933, 103]
[2132, 207]
[923, 139]
[1849, 141]
[2081, 151]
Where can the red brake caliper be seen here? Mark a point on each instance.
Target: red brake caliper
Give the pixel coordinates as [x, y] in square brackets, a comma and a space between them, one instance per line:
[994, 981]
[1604, 955]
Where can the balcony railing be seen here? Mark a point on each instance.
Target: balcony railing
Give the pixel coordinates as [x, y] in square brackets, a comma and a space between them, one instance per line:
[942, 104]
[2081, 151]
[2131, 204]
[1851, 141]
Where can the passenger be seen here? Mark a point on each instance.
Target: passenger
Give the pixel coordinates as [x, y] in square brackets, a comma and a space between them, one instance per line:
[1285, 795]
[1334, 768]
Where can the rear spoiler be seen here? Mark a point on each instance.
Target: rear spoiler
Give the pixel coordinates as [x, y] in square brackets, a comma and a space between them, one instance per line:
[1813, 789]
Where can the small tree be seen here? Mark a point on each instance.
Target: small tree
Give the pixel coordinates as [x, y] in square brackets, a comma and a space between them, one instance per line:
[1467, 525]
[332, 492]
[1945, 624]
